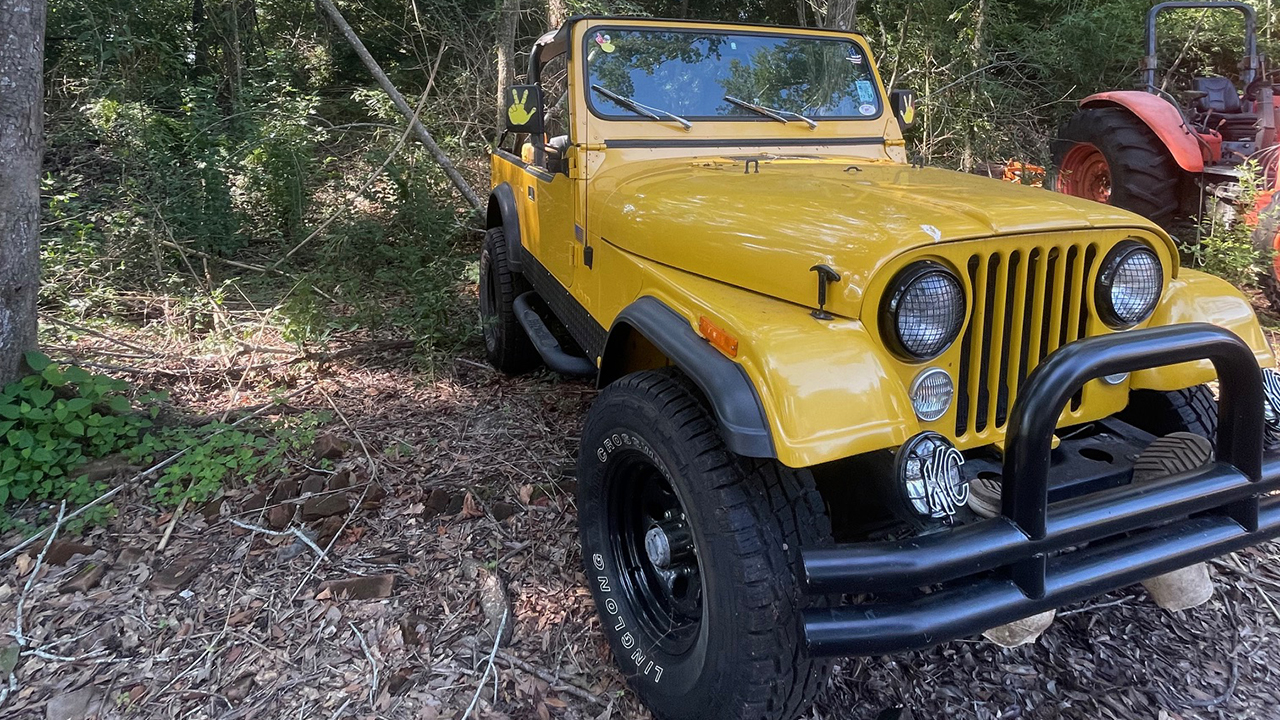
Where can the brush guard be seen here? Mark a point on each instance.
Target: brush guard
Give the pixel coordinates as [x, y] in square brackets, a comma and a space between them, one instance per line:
[1036, 557]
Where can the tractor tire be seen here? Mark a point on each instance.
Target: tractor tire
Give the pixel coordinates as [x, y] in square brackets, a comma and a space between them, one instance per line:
[693, 557]
[506, 345]
[1192, 410]
[1266, 240]
[1137, 173]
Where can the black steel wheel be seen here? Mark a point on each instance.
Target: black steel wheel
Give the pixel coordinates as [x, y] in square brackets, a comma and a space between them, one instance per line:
[506, 345]
[692, 554]
[654, 551]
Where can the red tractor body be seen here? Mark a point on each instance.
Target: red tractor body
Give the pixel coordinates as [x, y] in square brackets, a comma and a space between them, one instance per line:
[1174, 159]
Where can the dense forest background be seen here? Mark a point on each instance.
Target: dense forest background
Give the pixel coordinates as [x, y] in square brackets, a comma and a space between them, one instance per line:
[182, 134]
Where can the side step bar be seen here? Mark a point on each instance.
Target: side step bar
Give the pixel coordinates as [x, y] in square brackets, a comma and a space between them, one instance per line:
[546, 344]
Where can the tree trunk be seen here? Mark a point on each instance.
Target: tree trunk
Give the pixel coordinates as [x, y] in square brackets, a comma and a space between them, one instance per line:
[21, 146]
[836, 14]
[507, 19]
[557, 12]
[200, 34]
[977, 50]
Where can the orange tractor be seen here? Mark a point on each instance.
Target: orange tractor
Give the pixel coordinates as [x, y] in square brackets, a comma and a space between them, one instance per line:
[1174, 159]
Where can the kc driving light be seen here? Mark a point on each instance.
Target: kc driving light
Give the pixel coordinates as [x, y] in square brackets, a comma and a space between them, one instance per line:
[1128, 286]
[928, 472]
[923, 311]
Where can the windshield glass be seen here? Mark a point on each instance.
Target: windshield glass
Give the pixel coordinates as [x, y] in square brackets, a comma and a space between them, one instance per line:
[690, 72]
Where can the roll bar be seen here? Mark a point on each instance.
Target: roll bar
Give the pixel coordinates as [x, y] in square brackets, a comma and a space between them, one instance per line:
[1249, 64]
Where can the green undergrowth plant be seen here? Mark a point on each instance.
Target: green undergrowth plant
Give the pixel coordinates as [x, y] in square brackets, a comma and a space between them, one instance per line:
[55, 420]
[1225, 247]
[219, 454]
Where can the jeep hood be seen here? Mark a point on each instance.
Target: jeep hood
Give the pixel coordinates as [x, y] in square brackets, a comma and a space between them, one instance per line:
[762, 226]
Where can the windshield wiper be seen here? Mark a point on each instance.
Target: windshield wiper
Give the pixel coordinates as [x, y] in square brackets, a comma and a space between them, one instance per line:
[640, 109]
[772, 113]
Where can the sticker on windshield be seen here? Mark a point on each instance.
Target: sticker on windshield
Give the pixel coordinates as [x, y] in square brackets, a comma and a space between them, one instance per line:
[855, 56]
[605, 42]
[867, 109]
[866, 93]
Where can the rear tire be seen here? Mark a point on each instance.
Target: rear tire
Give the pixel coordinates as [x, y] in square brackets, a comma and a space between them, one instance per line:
[1192, 410]
[1143, 175]
[715, 632]
[506, 345]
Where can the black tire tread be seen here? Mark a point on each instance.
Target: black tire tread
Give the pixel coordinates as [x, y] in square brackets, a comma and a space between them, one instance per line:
[777, 678]
[1144, 177]
[513, 352]
[1172, 454]
[1192, 410]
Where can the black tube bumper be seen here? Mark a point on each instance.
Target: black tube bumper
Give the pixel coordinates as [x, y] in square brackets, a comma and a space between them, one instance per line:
[1035, 557]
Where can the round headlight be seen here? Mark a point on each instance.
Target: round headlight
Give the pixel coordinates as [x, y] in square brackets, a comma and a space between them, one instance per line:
[923, 311]
[1129, 284]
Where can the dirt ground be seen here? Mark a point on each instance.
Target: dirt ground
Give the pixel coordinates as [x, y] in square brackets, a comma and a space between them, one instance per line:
[451, 513]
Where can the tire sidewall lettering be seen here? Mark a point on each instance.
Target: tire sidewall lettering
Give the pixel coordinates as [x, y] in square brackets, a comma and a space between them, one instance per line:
[604, 582]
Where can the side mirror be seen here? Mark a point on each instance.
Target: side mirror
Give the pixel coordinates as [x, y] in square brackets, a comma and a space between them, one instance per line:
[524, 109]
[903, 103]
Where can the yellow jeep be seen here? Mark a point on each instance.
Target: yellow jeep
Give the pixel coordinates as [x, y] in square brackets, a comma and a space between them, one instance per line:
[849, 405]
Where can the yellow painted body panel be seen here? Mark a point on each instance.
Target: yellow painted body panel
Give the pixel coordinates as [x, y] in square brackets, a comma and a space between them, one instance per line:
[711, 235]
[1198, 297]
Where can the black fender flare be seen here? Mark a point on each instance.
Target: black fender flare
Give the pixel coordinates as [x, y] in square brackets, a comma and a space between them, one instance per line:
[502, 213]
[733, 398]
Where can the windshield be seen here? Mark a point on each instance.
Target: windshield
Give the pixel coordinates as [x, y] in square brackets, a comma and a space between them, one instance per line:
[690, 72]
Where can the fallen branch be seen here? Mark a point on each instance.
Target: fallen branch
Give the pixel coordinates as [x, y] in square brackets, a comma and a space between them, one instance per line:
[403, 106]
[488, 668]
[97, 334]
[280, 533]
[556, 683]
[373, 477]
[373, 666]
[18, 634]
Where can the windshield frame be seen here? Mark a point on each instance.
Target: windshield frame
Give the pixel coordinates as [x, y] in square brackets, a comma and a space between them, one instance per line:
[748, 30]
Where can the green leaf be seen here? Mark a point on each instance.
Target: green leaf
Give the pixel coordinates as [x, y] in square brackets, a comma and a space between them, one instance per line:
[11, 412]
[75, 427]
[76, 375]
[119, 404]
[53, 376]
[41, 397]
[37, 360]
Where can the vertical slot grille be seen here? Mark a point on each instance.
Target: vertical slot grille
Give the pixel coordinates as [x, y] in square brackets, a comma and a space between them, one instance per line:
[1026, 304]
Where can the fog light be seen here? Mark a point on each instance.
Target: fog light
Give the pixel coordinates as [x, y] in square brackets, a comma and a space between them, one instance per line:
[928, 471]
[931, 394]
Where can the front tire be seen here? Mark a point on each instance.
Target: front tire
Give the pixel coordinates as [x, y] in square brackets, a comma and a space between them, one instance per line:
[692, 554]
[506, 345]
[1192, 410]
[1109, 155]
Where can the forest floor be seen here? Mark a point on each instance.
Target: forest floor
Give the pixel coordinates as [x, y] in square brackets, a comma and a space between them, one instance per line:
[448, 517]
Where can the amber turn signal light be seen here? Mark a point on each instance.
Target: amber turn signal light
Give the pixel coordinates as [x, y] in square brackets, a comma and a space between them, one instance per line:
[719, 339]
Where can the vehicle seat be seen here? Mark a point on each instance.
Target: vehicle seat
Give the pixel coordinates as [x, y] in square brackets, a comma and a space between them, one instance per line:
[1220, 94]
[555, 153]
